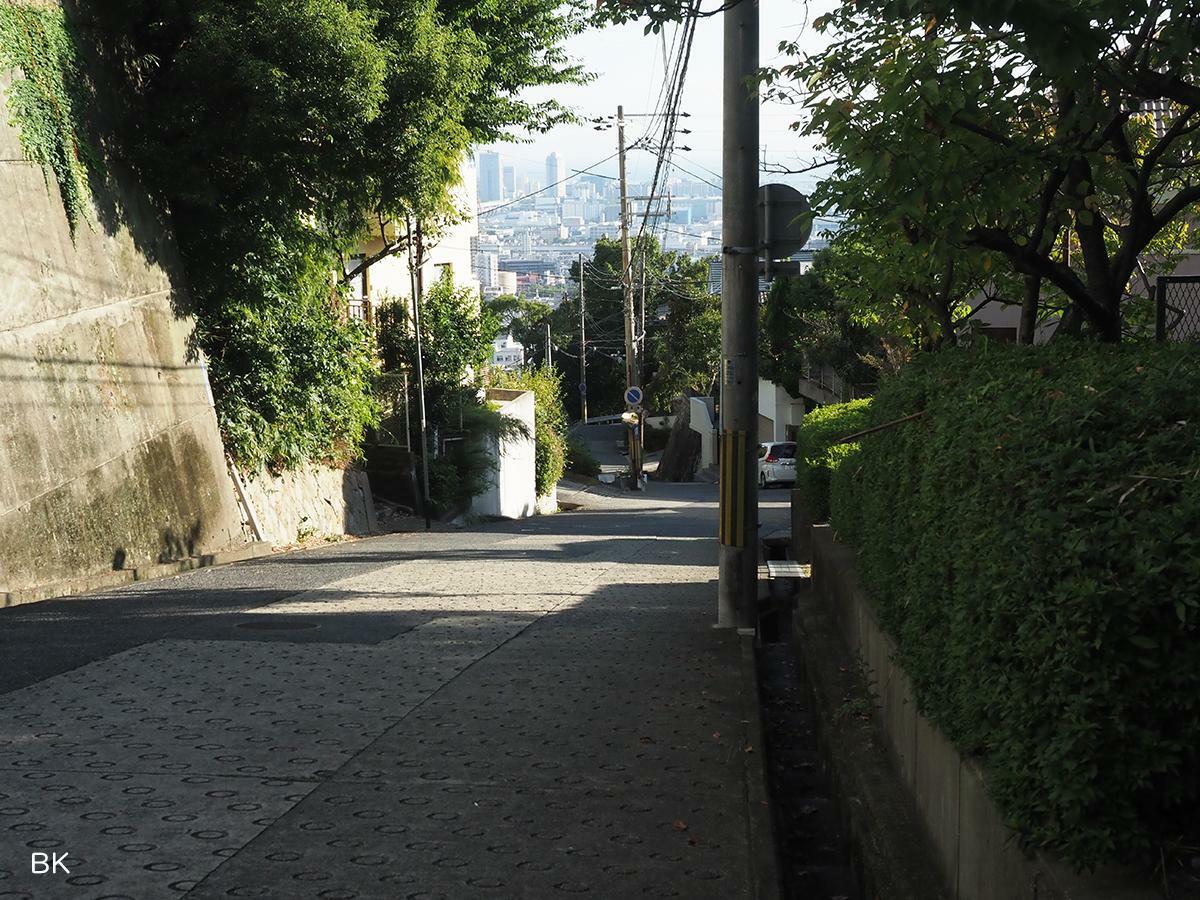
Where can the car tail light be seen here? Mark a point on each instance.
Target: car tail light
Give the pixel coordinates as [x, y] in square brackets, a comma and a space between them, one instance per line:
[771, 457]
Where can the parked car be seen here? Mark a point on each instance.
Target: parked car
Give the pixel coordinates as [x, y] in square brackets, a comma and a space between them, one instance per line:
[776, 463]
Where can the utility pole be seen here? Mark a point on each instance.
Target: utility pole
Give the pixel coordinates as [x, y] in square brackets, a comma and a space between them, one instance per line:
[582, 345]
[416, 258]
[633, 440]
[549, 352]
[737, 594]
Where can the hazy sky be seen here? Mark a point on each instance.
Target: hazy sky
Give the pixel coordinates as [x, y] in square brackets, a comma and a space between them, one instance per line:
[629, 70]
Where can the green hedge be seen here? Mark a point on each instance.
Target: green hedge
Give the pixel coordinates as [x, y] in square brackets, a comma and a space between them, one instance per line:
[817, 455]
[1033, 544]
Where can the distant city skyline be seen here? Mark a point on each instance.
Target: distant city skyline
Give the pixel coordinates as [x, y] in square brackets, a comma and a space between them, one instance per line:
[628, 68]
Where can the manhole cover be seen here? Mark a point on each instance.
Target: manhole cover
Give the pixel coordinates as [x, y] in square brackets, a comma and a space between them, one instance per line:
[276, 625]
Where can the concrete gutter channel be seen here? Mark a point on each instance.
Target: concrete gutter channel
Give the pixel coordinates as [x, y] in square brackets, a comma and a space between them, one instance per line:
[916, 816]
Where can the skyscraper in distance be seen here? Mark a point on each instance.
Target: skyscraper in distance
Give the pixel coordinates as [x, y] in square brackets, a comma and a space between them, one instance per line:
[489, 177]
[509, 181]
[556, 172]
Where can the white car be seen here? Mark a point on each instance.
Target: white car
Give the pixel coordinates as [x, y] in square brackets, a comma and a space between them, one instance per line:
[776, 463]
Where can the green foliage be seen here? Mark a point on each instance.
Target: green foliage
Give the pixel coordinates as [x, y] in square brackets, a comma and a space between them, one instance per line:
[580, 459]
[966, 141]
[1031, 542]
[457, 339]
[683, 342]
[524, 319]
[806, 323]
[291, 377]
[275, 130]
[45, 102]
[549, 420]
[818, 454]
[456, 336]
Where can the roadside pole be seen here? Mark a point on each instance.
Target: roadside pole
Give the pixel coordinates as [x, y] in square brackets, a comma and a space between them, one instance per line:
[549, 351]
[737, 594]
[415, 261]
[633, 433]
[582, 346]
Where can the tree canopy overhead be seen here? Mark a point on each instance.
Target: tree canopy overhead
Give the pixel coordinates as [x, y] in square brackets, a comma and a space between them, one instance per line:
[278, 133]
[967, 130]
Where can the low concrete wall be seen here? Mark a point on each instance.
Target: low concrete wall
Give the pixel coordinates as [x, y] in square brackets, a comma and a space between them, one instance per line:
[314, 501]
[980, 856]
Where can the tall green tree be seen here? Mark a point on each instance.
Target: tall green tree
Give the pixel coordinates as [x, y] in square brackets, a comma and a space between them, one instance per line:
[973, 134]
[279, 133]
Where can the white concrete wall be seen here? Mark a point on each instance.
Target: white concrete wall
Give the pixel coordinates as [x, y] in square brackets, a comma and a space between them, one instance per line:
[389, 278]
[778, 408]
[701, 422]
[513, 493]
[313, 501]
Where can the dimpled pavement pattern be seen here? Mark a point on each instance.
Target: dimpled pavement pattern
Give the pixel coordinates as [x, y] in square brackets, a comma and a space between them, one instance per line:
[523, 711]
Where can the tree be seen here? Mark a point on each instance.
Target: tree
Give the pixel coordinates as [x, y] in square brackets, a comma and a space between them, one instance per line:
[975, 135]
[675, 286]
[805, 322]
[524, 319]
[279, 132]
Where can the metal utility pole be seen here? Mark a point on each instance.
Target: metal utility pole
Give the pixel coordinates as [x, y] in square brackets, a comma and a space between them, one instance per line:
[737, 594]
[549, 352]
[635, 457]
[582, 346]
[416, 258]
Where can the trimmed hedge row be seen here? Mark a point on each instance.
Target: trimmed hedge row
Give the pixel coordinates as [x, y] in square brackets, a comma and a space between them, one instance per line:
[817, 455]
[1033, 544]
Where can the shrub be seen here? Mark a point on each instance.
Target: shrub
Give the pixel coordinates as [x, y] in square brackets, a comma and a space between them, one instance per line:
[1033, 544]
[291, 378]
[817, 454]
[580, 459]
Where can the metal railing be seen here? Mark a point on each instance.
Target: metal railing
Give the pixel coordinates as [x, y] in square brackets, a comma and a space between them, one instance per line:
[1177, 308]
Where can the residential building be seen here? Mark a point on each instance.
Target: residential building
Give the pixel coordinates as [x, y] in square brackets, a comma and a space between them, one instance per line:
[507, 353]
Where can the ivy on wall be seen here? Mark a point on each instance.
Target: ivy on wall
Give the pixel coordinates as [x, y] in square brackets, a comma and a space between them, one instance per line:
[35, 40]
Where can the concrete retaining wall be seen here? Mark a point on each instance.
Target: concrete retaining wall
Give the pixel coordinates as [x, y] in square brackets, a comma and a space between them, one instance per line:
[979, 855]
[110, 458]
[314, 501]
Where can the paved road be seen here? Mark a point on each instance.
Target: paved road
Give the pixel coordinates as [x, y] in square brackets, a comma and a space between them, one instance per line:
[535, 709]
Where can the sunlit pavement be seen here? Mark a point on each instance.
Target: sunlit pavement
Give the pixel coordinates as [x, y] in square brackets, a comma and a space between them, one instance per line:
[526, 710]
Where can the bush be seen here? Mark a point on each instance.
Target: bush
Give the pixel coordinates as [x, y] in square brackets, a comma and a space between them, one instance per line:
[580, 459]
[291, 378]
[817, 455]
[1033, 544]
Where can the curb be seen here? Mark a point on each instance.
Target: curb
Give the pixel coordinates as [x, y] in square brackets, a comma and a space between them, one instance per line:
[765, 877]
[85, 584]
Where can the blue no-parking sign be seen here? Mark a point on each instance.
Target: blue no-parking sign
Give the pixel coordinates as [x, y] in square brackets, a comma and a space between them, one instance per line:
[633, 396]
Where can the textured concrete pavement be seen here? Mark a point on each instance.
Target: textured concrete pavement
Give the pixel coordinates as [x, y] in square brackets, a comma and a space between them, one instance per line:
[534, 710]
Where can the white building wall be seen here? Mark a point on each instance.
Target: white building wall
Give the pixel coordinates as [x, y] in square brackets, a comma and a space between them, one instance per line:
[513, 492]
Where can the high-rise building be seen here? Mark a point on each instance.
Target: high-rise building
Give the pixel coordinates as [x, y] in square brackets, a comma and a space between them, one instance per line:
[489, 177]
[556, 173]
[509, 182]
